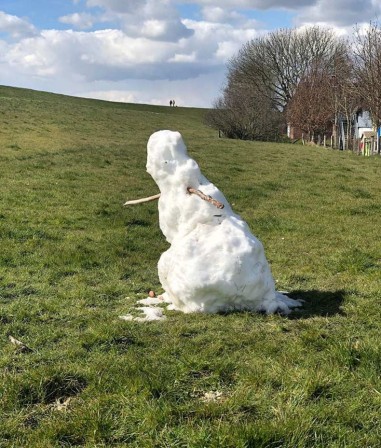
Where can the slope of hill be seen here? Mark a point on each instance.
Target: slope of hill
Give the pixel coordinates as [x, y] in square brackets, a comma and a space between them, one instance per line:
[32, 119]
[72, 260]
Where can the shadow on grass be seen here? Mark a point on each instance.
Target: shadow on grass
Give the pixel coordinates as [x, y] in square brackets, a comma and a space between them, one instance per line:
[317, 303]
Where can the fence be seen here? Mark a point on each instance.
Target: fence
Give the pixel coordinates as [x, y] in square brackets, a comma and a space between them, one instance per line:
[367, 146]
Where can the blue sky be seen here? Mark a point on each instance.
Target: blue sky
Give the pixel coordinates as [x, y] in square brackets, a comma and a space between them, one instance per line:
[148, 51]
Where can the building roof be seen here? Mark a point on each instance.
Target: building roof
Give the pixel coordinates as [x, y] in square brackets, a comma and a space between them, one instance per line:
[369, 134]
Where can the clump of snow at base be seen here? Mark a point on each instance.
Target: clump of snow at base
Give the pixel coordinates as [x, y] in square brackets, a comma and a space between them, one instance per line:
[214, 263]
[149, 311]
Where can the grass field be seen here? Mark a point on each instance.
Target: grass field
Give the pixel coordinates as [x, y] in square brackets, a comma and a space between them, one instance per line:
[72, 260]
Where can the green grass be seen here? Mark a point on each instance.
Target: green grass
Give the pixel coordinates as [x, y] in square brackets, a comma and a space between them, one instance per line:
[72, 260]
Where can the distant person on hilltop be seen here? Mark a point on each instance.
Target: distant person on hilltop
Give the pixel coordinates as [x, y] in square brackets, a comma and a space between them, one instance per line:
[170, 103]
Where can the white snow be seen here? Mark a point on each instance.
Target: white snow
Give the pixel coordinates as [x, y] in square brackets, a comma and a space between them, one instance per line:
[212, 396]
[150, 301]
[214, 262]
[149, 313]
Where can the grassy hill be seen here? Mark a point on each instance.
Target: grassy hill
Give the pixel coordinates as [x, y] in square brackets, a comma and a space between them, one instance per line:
[72, 260]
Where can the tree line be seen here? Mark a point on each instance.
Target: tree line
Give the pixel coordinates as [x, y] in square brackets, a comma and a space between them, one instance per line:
[305, 78]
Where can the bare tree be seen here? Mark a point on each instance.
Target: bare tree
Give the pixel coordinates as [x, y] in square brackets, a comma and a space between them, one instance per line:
[264, 76]
[244, 113]
[312, 107]
[367, 68]
[324, 99]
[346, 97]
[274, 64]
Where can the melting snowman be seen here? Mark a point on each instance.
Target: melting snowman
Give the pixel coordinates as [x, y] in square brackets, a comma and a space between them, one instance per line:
[214, 263]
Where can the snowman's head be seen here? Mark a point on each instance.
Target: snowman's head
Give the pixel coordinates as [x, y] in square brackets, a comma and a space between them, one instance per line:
[168, 162]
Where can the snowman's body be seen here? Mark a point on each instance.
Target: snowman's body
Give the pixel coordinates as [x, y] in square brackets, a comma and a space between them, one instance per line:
[214, 263]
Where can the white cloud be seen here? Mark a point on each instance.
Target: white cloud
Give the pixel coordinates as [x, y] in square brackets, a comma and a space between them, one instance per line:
[153, 49]
[154, 28]
[120, 6]
[100, 54]
[227, 49]
[188, 70]
[112, 54]
[81, 21]
[15, 26]
[339, 13]
[119, 96]
[218, 14]
[151, 54]
[195, 92]
[158, 29]
[155, 19]
[35, 56]
[216, 42]
[253, 4]
[178, 57]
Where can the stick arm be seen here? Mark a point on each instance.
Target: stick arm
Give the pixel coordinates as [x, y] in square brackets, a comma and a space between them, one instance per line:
[206, 197]
[140, 201]
[190, 190]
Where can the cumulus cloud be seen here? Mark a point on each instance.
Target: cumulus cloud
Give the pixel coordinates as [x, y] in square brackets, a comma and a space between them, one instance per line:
[154, 19]
[15, 26]
[114, 65]
[119, 96]
[120, 6]
[197, 92]
[57, 51]
[178, 57]
[113, 54]
[254, 4]
[339, 13]
[218, 14]
[217, 41]
[100, 55]
[150, 52]
[158, 29]
[81, 21]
